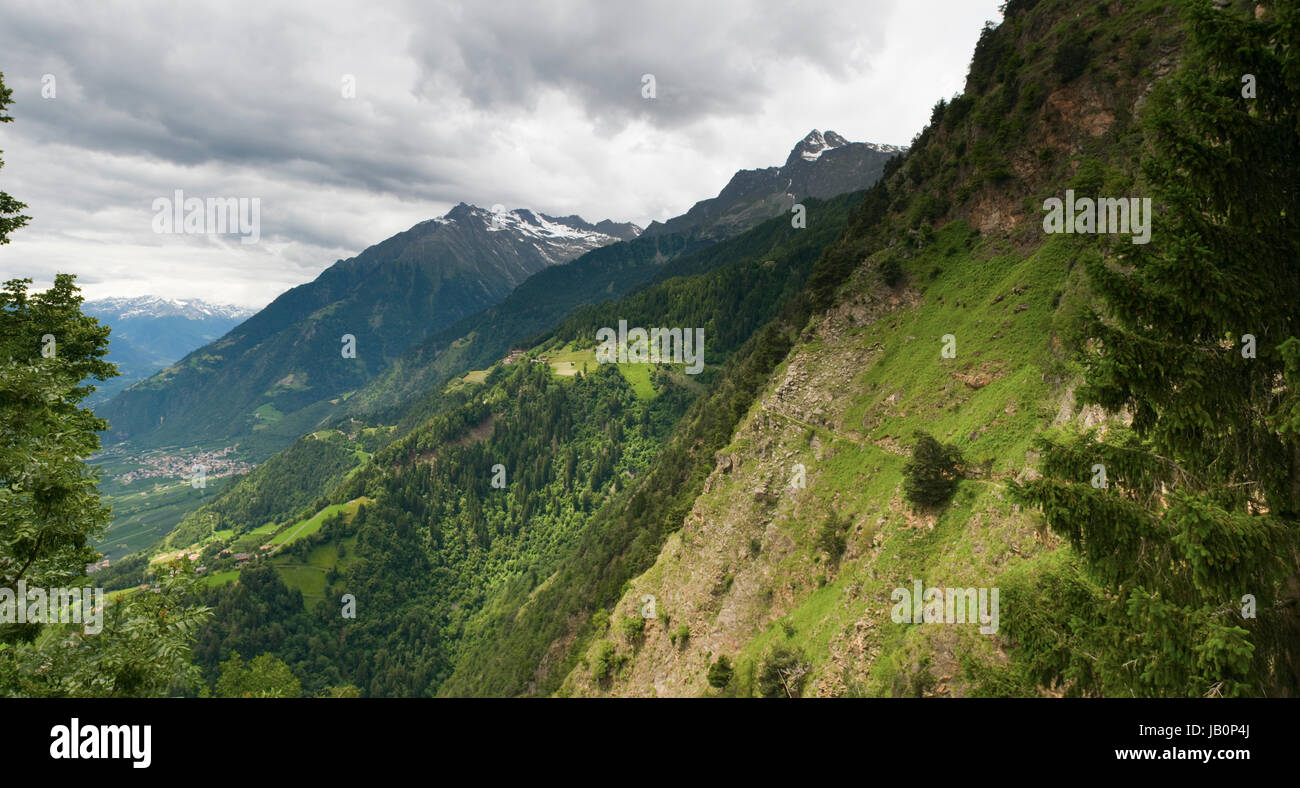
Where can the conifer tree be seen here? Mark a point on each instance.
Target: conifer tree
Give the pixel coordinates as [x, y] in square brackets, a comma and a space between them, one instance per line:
[1195, 340]
[931, 475]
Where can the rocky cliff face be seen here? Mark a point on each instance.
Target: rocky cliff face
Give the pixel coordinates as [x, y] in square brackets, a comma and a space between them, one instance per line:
[819, 165]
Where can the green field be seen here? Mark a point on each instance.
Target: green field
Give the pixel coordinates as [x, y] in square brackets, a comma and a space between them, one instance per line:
[471, 378]
[221, 578]
[310, 580]
[309, 577]
[305, 528]
[266, 415]
[140, 519]
[568, 361]
[638, 375]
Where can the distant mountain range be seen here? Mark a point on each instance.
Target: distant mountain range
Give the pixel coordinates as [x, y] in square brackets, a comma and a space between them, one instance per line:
[150, 332]
[282, 372]
[287, 360]
[156, 307]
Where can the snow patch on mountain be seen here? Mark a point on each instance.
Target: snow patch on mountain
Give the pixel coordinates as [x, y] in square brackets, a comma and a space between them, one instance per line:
[539, 225]
[886, 148]
[815, 144]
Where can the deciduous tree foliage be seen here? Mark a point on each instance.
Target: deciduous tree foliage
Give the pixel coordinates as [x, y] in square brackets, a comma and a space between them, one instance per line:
[50, 507]
[264, 677]
[48, 503]
[11, 217]
[50, 510]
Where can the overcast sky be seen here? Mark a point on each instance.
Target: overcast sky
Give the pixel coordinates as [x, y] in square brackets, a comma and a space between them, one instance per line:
[534, 104]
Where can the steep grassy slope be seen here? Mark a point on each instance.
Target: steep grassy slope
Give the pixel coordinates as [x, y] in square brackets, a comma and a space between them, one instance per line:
[755, 570]
[784, 578]
[751, 567]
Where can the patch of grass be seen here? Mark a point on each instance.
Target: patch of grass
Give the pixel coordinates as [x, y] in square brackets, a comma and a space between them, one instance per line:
[568, 360]
[310, 580]
[638, 375]
[221, 578]
[266, 415]
[141, 520]
[305, 528]
[999, 311]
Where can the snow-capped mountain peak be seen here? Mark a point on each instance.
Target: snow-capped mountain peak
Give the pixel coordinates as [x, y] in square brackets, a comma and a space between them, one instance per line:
[886, 148]
[539, 226]
[811, 147]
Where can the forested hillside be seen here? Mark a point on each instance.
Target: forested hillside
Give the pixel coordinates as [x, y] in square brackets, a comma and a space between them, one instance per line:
[481, 339]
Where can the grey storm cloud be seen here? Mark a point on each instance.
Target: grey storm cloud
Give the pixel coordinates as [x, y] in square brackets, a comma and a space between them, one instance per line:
[706, 58]
[191, 84]
[188, 85]
[527, 104]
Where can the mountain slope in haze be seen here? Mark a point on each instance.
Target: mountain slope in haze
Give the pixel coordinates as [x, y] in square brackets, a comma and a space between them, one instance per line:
[272, 378]
[819, 165]
[479, 340]
[150, 332]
